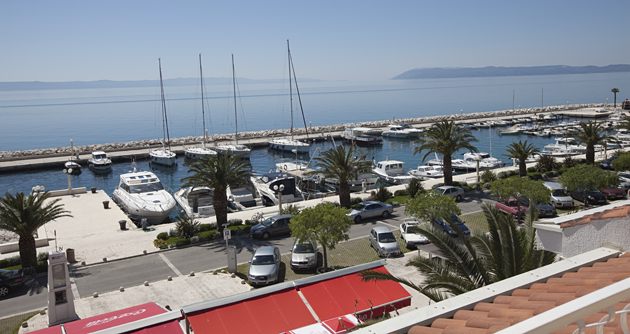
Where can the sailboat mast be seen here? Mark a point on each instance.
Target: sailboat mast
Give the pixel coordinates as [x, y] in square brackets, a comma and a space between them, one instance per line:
[235, 113]
[290, 87]
[297, 90]
[167, 139]
[203, 110]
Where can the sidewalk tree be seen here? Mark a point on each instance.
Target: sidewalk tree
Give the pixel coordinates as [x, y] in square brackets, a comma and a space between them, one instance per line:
[429, 206]
[515, 187]
[591, 133]
[521, 151]
[446, 138]
[218, 172]
[505, 251]
[587, 177]
[325, 223]
[341, 163]
[24, 215]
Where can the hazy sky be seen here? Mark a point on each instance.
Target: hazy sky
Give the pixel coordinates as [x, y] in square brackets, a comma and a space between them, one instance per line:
[341, 40]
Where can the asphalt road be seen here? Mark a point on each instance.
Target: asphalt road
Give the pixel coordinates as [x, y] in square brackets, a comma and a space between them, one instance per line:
[111, 276]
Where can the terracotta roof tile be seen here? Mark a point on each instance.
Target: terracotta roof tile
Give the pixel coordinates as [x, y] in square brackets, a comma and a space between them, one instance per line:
[523, 303]
[618, 212]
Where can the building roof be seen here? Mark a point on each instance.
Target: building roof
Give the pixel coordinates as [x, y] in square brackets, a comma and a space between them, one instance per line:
[503, 311]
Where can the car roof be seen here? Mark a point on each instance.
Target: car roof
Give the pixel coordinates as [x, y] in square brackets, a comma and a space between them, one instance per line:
[380, 229]
[372, 202]
[276, 217]
[265, 250]
[446, 187]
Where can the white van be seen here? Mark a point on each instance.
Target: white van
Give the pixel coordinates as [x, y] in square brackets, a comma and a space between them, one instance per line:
[559, 197]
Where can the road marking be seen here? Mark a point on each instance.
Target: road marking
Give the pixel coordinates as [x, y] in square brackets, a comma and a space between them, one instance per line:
[170, 265]
[75, 290]
[390, 225]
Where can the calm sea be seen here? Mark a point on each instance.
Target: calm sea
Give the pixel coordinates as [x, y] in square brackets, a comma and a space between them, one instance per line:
[50, 118]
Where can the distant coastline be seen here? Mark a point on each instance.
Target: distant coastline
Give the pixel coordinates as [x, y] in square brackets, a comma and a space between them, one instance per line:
[495, 71]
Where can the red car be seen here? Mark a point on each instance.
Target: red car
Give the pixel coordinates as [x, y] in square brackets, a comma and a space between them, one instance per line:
[614, 193]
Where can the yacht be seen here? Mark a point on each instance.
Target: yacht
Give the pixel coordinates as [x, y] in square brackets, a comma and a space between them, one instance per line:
[276, 186]
[142, 195]
[289, 145]
[362, 136]
[364, 181]
[99, 162]
[403, 131]
[196, 202]
[391, 171]
[238, 150]
[486, 161]
[563, 147]
[427, 172]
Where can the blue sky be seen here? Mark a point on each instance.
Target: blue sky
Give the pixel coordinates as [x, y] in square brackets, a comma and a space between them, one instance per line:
[337, 40]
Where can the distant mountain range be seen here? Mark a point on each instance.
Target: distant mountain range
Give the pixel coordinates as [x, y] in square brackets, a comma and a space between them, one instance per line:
[495, 71]
[40, 85]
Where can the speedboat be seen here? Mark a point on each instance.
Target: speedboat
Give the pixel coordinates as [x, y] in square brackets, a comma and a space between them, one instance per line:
[163, 156]
[563, 147]
[289, 145]
[238, 150]
[196, 202]
[364, 181]
[426, 171]
[391, 171]
[142, 195]
[72, 167]
[274, 187]
[403, 131]
[99, 162]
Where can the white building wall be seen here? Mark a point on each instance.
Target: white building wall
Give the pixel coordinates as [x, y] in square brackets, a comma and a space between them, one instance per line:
[613, 233]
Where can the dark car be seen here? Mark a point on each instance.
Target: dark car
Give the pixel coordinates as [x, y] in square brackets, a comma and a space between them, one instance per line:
[589, 197]
[446, 227]
[9, 280]
[614, 193]
[272, 226]
[545, 210]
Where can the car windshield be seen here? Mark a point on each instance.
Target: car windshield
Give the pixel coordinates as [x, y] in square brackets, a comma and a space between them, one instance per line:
[303, 248]
[413, 229]
[263, 260]
[267, 221]
[559, 193]
[145, 187]
[386, 237]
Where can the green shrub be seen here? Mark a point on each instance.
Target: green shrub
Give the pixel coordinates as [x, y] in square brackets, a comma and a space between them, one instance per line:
[179, 241]
[546, 163]
[488, 176]
[162, 236]
[10, 262]
[531, 169]
[506, 174]
[205, 227]
[535, 176]
[401, 192]
[234, 222]
[186, 227]
[207, 235]
[161, 244]
[239, 229]
[355, 200]
[414, 187]
[382, 194]
[290, 209]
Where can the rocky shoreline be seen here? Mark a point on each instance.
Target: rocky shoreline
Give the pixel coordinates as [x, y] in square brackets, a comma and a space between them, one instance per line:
[318, 130]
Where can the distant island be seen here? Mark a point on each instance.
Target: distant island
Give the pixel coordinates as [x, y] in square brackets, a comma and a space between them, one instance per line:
[496, 71]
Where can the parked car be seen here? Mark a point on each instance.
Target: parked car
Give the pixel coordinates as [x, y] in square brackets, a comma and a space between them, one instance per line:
[589, 197]
[559, 196]
[456, 192]
[264, 267]
[519, 208]
[410, 233]
[384, 242]
[446, 227]
[9, 280]
[370, 209]
[304, 255]
[272, 226]
[614, 193]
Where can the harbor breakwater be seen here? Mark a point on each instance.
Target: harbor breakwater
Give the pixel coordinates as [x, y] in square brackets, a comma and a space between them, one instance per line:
[258, 138]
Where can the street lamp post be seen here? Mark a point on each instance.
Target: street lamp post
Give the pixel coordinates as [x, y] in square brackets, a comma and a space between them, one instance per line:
[68, 172]
[278, 189]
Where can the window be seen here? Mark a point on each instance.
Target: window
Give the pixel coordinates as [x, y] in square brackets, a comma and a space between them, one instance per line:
[386, 237]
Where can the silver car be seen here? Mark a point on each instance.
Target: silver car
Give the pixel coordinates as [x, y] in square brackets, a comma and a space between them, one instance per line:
[456, 192]
[304, 255]
[384, 242]
[264, 268]
[370, 209]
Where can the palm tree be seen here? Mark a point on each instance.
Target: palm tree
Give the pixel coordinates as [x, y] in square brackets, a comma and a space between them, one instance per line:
[615, 91]
[521, 151]
[590, 134]
[446, 137]
[505, 251]
[24, 215]
[218, 172]
[342, 164]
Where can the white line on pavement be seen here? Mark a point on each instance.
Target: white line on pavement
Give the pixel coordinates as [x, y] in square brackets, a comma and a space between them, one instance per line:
[170, 265]
[390, 225]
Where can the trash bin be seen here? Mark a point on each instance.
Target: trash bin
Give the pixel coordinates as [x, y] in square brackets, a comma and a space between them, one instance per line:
[106, 204]
[144, 223]
[93, 189]
[70, 255]
[123, 224]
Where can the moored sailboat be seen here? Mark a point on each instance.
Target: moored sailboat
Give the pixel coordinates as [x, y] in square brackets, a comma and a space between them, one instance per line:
[163, 156]
[201, 152]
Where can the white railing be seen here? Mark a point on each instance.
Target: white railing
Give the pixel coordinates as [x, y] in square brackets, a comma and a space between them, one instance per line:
[574, 312]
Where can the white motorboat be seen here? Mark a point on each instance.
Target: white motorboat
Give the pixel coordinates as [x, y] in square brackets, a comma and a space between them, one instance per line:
[163, 156]
[364, 181]
[141, 195]
[99, 162]
[273, 185]
[362, 136]
[427, 172]
[391, 171]
[196, 202]
[486, 161]
[563, 147]
[403, 131]
[242, 196]
[291, 144]
[200, 152]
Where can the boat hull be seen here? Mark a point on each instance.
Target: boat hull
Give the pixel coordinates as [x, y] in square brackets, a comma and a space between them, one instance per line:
[287, 145]
[240, 151]
[163, 158]
[138, 208]
[198, 153]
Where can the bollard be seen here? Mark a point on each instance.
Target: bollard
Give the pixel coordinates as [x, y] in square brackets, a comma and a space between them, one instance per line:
[169, 278]
[122, 289]
[144, 223]
[105, 204]
[192, 273]
[123, 224]
[95, 295]
[146, 283]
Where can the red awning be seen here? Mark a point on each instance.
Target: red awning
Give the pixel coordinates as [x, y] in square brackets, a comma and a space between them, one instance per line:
[273, 313]
[49, 330]
[107, 320]
[172, 327]
[349, 294]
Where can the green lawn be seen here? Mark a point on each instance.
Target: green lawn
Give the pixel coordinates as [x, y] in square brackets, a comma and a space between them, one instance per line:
[12, 325]
[476, 222]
